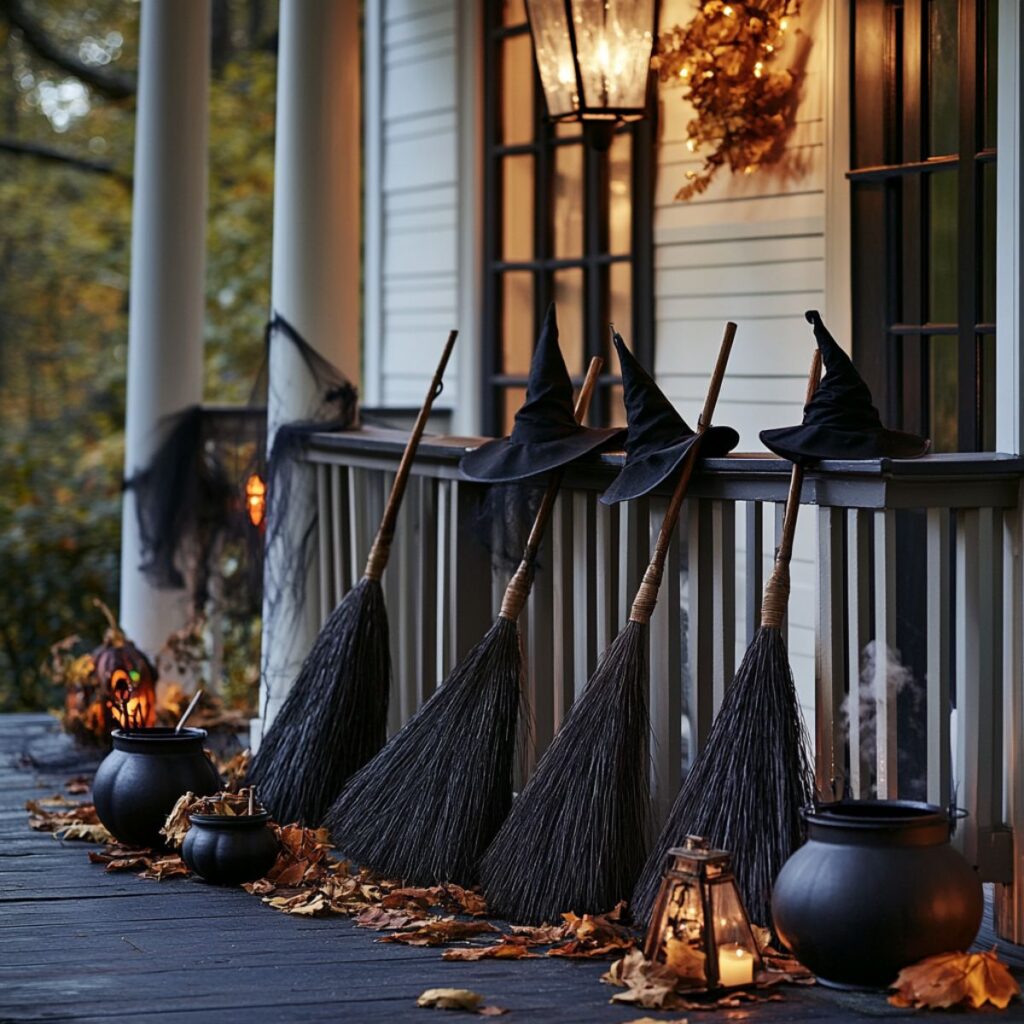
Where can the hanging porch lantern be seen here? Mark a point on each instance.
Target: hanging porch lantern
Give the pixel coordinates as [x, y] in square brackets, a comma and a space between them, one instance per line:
[594, 60]
[699, 928]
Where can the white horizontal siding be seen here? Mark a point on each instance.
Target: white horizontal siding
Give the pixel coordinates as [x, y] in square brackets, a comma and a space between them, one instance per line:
[417, 291]
[751, 249]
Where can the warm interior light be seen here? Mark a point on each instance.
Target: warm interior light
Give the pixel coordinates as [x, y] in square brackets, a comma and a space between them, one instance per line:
[599, 69]
[256, 499]
[704, 951]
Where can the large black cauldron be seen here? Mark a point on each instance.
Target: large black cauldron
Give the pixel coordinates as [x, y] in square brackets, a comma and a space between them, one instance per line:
[876, 887]
[230, 849]
[140, 780]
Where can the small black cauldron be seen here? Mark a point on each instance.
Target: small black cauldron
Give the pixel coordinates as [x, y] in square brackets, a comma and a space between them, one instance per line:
[876, 887]
[140, 780]
[230, 849]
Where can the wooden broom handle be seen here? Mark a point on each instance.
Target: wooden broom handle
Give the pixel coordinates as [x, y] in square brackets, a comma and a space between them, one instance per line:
[647, 593]
[776, 591]
[378, 557]
[518, 589]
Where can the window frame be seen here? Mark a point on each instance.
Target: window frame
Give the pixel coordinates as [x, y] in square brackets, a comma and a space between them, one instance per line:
[889, 176]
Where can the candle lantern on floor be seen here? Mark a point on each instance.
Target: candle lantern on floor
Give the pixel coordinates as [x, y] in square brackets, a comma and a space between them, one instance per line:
[699, 928]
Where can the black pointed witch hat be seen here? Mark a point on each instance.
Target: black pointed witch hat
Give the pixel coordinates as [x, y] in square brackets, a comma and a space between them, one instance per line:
[840, 421]
[658, 437]
[545, 434]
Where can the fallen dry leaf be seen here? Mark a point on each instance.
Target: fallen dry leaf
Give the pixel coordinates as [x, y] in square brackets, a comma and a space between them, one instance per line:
[234, 770]
[121, 858]
[440, 931]
[658, 1020]
[380, 919]
[955, 979]
[499, 951]
[647, 984]
[469, 901]
[491, 1011]
[78, 784]
[168, 866]
[543, 935]
[450, 999]
[66, 819]
[595, 935]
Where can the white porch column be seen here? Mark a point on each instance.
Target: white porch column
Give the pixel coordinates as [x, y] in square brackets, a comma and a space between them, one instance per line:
[315, 265]
[1009, 904]
[165, 324]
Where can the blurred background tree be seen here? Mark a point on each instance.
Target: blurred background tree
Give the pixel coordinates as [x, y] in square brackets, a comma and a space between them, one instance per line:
[67, 113]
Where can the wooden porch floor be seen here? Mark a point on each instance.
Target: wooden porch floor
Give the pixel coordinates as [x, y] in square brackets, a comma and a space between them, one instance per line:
[78, 944]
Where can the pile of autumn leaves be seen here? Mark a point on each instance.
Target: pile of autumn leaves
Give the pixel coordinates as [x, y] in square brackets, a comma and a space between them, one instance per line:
[306, 880]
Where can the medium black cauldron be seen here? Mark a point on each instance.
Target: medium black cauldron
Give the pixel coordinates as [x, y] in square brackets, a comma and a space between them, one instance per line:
[140, 780]
[876, 887]
[230, 849]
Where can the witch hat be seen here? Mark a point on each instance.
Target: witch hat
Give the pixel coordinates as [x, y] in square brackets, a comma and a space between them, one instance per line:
[545, 434]
[658, 437]
[840, 421]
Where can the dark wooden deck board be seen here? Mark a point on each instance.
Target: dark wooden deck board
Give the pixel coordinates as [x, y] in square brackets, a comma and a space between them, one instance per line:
[79, 944]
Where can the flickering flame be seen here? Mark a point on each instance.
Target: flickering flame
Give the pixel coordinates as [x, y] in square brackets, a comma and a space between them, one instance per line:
[256, 499]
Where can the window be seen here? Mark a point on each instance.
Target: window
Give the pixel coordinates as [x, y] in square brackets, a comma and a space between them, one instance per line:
[563, 222]
[923, 190]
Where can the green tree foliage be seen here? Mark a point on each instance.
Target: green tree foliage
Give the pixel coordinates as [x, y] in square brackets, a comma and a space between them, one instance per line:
[66, 148]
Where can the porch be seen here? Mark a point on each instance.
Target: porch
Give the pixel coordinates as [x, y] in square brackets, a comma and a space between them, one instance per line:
[79, 944]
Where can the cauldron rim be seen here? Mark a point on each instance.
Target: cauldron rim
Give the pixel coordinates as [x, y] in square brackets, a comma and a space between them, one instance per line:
[157, 739]
[876, 815]
[230, 820]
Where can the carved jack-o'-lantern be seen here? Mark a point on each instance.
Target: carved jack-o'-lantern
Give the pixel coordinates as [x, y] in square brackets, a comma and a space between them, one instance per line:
[126, 679]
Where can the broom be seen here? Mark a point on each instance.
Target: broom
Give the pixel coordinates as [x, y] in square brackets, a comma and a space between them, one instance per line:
[335, 716]
[425, 808]
[577, 835]
[745, 791]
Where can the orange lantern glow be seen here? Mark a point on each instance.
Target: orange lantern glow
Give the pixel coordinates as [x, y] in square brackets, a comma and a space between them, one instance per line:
[256, 499]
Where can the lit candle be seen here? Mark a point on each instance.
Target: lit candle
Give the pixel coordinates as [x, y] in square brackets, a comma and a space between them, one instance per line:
[735, 966]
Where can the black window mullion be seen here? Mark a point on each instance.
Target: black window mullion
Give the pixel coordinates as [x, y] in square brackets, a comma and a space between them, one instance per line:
[969, 361]
[490, 357]
[912, 307]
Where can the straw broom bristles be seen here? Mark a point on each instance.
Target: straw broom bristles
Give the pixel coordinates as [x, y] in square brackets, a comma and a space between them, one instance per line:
[576, 837]
[426, 807]
[430, 801]
[335, 716]
[747, 787]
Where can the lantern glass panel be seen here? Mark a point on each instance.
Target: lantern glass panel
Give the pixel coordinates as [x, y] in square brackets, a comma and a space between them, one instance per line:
[682, 936]
[613, 46]
[554, 55]
[734, 942]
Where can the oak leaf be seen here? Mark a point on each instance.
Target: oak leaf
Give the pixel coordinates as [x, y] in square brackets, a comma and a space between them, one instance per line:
[380, 919]
[955, 979]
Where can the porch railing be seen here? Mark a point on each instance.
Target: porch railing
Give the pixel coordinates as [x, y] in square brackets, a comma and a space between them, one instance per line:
[910, 584]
